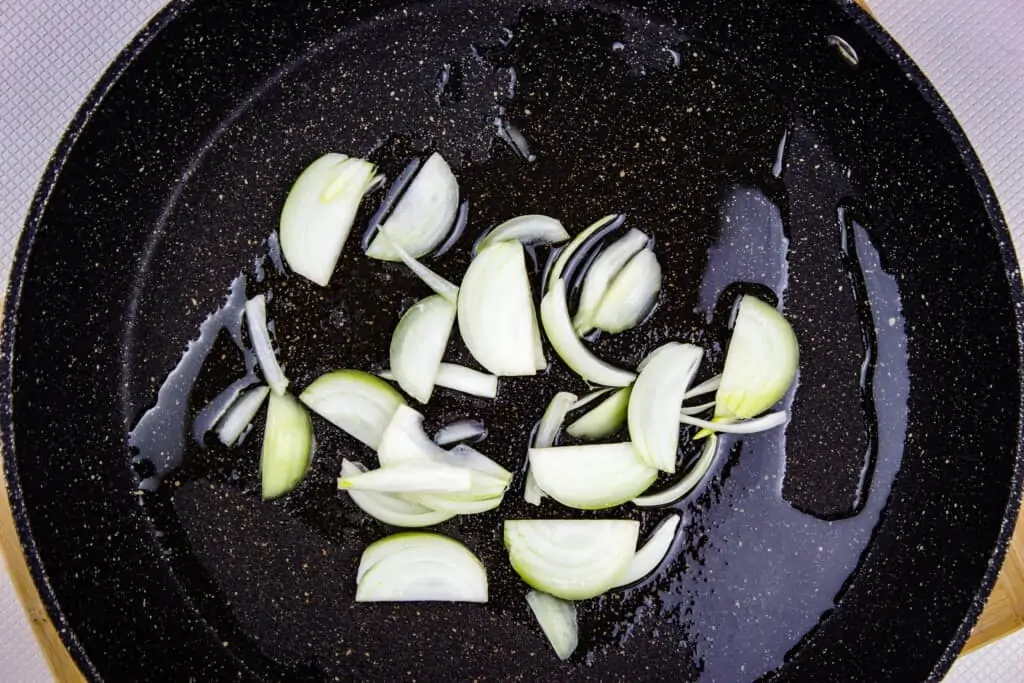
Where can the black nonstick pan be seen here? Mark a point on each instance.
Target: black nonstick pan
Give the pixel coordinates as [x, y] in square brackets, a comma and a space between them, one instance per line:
[784, 148]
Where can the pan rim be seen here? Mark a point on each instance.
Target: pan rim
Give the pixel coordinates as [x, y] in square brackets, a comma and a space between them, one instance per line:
[164, 17]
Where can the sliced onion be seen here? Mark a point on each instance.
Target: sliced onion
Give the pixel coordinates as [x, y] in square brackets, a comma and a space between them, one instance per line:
[419, 343]
[573, 559]
[526, 229]
[319, 211]
[240, 414]
[605, 419]
[687, 483]
[421, 568]
[388, 508]
[631, 295]
[696, 409]
[496, 311]
[467, 380]
[547, 431]
[423, 216]
[760, 364]
[653, 552]
[591, 477]
[460, 430]
[601, 274]
[455, 504]
[355, 401]
[437, 283]
[432, 477]
[727, 426]
[467, 456]
[578, 241]
[404, 441]
[589, 398]
[706, 387]
[554, 314]
[287, 446]
[256, 319]
[557, 618]
[653, 413]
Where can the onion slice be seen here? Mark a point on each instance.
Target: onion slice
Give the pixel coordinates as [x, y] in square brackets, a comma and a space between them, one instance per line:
[631, 295]
[554, 314]
[696, 409]
[318, 213]
[653, 412]
[241, 414]
[388, 508]
[460, 430]
[603, 420]
[437, 283]
[653, 552]
[495, 311]
[757, 424]
[591, 477]
[420, 567]
[573, 559]
[467, 380]
[287, 446]
[357, 402]
[547, 430]
[589, 398]
[405, 441]
[528, 229]
[419, 343]
[433, 477]
[687, 483]
[557, 618]
[760, 363]
[467, 456]
[706, 387]
[601, 274]
[256, 319]
[578, 241]
[423, 215]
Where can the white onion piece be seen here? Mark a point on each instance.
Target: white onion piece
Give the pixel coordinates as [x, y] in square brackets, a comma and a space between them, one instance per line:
[419, 343]
[653, 552]
[496, 311]
[601, 274]
[578, 241]
[355, 401]
[603, 420]
[388, 508]
[421, 568]
[467, 456]
[591, 477]
[455, 504]
[554, 314]
[467, 380]
[423, 216]
[240, 414]
[631, 295]
[653, 413]
[573, 559]
[404, 441]
[706, 387]
[319, 211]
[460, 430]
[760, 363]
[687, 482]
[696, 409]
[256, 319]
[287, 446]
[437, 283]
[425, 478]
[557, 618]
[757, 424]
[547, 431]
[526, 229]
[589, 398]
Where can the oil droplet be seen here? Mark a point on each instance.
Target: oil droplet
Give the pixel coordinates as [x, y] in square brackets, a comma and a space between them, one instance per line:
[511, 136]
[779, 165]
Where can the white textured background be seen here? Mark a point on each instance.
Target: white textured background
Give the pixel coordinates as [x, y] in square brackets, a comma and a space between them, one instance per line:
[52, 51]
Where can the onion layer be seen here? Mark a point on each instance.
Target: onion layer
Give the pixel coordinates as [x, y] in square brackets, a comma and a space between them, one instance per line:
[591, 477]
[419, 343]
[357, 402]
[420, 567]
[287, 446]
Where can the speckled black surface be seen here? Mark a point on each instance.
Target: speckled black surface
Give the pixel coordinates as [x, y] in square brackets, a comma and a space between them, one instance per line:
[172, 175]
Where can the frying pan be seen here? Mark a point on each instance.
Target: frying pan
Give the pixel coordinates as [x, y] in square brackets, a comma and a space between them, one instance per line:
[786, 149]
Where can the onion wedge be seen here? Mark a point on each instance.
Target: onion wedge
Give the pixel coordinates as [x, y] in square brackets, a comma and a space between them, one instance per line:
[728, 426]
[467, 380]
[631, 295]
[653, 552]
[653, 412]
[431, 477]
[578, 241]
[601, 274]
[572, 559]
[319, 211]
[287, 446]
[419, 343]
[526, 229]
[256, 319]
[357, 402]
[405, 441]
[554, 314]
[760, 363]
[605, 419]
[687, 483]
[421, 567]
[423, 215]
[495, 311]
[437, 283]
[591, 477]
[557, 618]
[388, 508]
[547, 430]
[241, 414]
